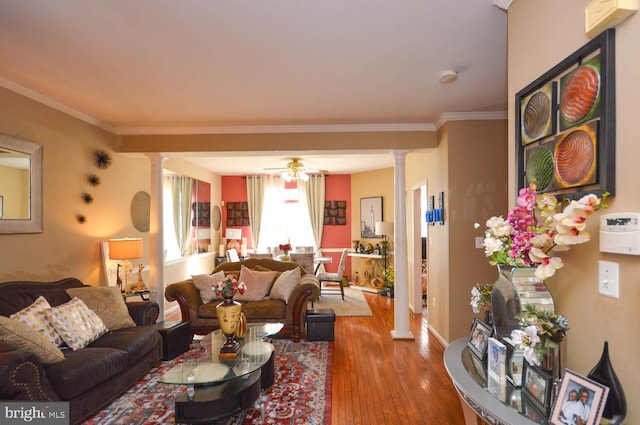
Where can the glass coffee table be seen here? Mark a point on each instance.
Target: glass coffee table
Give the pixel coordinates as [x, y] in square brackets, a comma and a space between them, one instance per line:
[219, 387]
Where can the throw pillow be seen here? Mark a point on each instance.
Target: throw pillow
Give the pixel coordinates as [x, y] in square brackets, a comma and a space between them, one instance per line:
[203, 282]
[258, 284]
[107, 303]
[15, 335]
[77, 325]
[34, 317]
[285, 284]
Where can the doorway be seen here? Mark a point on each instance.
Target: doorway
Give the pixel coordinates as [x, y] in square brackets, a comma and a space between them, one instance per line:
[418, 265]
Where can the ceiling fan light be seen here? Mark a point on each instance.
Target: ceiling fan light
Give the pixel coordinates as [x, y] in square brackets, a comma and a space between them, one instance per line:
[304, 176]
[286, 175]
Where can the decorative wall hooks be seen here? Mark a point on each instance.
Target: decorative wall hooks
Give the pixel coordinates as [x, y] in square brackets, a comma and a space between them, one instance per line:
[93, 180]
[102, 159]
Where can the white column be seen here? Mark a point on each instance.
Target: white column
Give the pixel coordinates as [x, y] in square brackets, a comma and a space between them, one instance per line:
[156, 234]
[401, 288]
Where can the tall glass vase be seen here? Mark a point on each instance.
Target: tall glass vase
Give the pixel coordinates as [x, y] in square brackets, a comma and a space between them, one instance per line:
[228, 314]
[516, 287]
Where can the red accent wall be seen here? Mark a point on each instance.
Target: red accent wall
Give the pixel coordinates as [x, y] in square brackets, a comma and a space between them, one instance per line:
[234, 189]
[337, 188]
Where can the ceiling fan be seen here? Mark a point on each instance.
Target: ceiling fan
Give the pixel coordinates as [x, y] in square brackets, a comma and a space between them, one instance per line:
[294, 170]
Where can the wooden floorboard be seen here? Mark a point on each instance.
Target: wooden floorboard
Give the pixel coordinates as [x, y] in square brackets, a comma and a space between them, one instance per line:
[379, 381]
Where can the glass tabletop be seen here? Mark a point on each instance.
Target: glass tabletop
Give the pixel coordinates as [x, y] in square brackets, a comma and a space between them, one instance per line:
[211, 369]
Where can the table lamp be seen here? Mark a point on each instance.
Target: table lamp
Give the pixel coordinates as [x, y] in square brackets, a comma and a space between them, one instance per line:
[125, 249]
[384, 228]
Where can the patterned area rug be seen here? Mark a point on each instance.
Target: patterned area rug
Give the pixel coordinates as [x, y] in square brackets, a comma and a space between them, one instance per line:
[301, 393]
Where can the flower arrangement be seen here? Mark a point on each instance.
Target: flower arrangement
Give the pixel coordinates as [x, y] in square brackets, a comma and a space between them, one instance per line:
[286, 247]
[481, 297]
[229, 286]
[538, 224]
[541, 329]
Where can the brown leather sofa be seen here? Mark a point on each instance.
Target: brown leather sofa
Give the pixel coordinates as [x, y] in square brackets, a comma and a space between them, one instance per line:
[292, 313]
[89, 378]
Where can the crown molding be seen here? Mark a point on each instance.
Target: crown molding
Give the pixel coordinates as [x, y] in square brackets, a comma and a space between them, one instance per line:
[264, 129]
[470, 116]
[45, 100]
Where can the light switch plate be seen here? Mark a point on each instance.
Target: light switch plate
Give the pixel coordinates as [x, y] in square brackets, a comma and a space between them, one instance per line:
[609, 279]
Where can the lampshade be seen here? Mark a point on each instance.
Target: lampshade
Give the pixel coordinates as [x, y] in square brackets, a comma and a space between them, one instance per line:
[234, 234]
[384, 227]
[125, 249]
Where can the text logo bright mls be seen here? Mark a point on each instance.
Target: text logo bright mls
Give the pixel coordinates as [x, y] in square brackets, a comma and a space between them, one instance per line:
[34, 413]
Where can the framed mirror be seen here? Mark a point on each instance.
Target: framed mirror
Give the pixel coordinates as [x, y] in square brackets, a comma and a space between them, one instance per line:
[20, 185]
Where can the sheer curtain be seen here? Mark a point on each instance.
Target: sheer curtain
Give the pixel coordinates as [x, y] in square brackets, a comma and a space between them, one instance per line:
[255, 199]
[181, 187]
[283, 219]
[313, 192]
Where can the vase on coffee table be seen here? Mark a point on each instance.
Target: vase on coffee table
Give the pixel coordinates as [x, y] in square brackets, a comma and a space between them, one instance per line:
[228, 314]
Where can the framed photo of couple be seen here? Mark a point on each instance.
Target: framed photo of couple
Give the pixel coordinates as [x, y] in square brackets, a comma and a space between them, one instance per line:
[578, 397]
[478, 339]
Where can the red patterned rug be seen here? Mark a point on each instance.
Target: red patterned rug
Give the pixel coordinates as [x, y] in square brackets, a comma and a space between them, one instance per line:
[301, 393]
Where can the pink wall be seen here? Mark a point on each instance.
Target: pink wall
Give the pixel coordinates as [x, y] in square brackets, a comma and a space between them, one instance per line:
[337, 188]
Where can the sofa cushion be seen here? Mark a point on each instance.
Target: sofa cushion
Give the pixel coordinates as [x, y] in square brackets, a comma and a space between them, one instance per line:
[204, 284]
[77, 325]
[258, 284]
[34, 317]
[107, 303]
[84, 369]
[268, 309]
[15, 335]
[136, 342]
[285, 284]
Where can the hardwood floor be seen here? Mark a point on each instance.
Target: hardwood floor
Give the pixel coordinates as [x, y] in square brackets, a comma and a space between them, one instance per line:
[377, 380]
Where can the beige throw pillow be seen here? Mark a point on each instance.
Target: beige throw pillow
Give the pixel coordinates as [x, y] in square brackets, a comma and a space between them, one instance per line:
[15, 335]
[107, 303]
[258, 284]
[77, 325]
[204, 282]
[34, 317]
[285, 284]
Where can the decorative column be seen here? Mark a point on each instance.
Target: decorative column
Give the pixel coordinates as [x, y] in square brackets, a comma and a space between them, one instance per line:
[401, 288]
[156, 234]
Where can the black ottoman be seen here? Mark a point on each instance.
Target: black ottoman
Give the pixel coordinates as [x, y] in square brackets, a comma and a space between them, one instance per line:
[176, 338]
[320, 324]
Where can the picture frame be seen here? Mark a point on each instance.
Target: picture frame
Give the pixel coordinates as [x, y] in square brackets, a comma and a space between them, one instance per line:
[536, 386]
[478, 339]
[515, 363]
[496, 359]
[530, 410]
[566, 124]
[596, 394]
[370, 213]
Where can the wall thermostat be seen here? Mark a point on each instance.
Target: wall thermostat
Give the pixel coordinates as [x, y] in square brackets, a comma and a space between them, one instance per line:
[620, 233]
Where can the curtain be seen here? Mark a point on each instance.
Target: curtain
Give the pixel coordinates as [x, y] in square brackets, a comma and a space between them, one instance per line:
[255, 199]
[181, 188]
[313, 192]
[272, 232]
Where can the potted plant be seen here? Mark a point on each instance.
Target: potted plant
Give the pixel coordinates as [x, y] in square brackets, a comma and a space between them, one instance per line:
[388, 281]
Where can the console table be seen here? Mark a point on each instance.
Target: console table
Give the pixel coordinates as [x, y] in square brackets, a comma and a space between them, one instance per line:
[475, 399]
[372, 266]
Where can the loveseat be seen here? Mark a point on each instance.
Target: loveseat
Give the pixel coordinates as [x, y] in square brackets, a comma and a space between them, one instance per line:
[279, 301]
[90, 377]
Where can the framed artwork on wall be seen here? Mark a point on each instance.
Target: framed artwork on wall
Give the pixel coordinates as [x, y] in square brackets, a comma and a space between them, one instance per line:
[370, 213]
[565, 124]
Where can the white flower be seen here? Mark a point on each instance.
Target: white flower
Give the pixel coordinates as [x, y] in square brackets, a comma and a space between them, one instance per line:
[475, 299]
[548, 265]
[499, 226]
[526, 340]
[491, 245]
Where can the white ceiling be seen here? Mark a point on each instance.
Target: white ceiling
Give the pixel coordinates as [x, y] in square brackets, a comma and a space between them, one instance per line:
[194, 66]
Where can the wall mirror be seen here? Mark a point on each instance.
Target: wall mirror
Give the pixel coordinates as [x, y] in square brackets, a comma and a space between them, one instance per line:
[20, 185]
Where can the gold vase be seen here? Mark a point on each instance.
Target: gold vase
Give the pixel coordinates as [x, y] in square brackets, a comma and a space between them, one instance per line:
[242, 326]
[228, 314]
